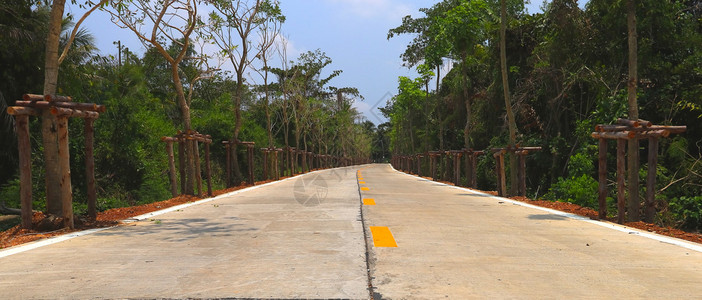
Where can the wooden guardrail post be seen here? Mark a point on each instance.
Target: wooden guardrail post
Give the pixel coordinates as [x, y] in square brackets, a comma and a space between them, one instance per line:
[621, 171]
[208, 168]
[25, 167]
[171, 164]
[602, 179]
[500, 172]
[198, 177]
[623, 131]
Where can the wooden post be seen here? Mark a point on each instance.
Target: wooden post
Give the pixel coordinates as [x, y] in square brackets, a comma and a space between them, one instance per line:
[474, 171]
[433, 167]
[265, 163]
[621, 170]
[457, 168]
[279, 160]
[650, 209]
[90, 168]
[25, 169]
[602, 178]
[249, 150]
[65, 169]
[227, 149]
[171, 167]
[500, 170]
[633, 213]
[208, 169]
[198, 170]
[181, 163]
[521, 173]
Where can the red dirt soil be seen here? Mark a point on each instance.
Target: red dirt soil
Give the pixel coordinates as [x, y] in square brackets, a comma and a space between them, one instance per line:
[113, 217]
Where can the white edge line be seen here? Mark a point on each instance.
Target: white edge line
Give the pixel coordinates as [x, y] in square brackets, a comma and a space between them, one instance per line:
[65, 237]
[630, 230]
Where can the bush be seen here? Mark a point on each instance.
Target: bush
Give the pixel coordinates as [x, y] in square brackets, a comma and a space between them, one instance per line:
[688, 210]
[581, 190]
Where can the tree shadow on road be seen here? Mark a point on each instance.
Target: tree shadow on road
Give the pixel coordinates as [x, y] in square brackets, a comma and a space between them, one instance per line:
[548, 217]
[178, 230]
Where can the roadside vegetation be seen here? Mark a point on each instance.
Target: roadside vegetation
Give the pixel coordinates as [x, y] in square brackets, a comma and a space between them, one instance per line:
[567, 70]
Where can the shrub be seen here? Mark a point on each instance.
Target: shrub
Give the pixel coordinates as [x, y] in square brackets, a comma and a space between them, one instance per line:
[582, 190]
[688, 210]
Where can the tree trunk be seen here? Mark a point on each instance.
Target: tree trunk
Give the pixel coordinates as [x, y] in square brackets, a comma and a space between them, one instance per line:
[48, 124]
[90, 168]
[65, 167]
[185, 114]
[237, 128]
[25, 170]
[508, 103]
[467, 100]
[633, 150]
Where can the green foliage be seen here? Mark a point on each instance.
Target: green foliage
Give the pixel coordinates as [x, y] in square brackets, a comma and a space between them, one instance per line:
[688, 210]
[580, 190]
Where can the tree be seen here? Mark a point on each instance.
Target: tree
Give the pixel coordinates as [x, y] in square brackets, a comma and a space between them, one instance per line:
[231, 25]
[508, 104]
[156, 23]
[269, 33]
[58, 179]
[633, 147]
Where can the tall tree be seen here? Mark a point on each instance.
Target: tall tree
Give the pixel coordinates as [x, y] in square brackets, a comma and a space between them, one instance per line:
[232, 24]
[505, 88]
[156, 23]
[58, 180]
[633, 147]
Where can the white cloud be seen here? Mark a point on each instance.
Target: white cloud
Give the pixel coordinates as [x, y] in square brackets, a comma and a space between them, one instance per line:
[389, 9]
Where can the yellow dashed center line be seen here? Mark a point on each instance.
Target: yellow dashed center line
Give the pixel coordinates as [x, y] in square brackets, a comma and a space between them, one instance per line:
[362, 182]
[382, 237]
[368, 201]
[365, 189]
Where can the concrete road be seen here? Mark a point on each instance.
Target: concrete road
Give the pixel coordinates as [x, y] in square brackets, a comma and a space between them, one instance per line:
[301, 238]
[456, 244]
[323, 235]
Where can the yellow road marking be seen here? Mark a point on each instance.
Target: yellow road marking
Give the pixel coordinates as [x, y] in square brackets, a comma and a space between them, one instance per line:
[365, 189]
[362, 182]
[368, 201]
[382, 237]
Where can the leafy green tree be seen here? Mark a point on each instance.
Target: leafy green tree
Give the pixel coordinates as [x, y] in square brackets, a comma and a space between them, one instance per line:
[231, 25]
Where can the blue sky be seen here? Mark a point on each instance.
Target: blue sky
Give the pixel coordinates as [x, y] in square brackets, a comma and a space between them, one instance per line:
[351, 32]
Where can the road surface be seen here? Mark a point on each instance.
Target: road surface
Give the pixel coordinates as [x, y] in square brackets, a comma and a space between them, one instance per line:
[356, 233]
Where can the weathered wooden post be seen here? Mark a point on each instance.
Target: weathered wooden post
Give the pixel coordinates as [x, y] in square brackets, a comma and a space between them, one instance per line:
[471, 166]
[500, 172]
[228, 162]
[198, 172]
[90, 168]
[63, 109]
[171, 164]
[181, 163]
[250, 156]
[208, 167]
[278, 161]
[624, 131]
[621, 170]
[457, 166]
[25, 161]
[521, 173]
[602, 179]
[265, 162]
[432, 164]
